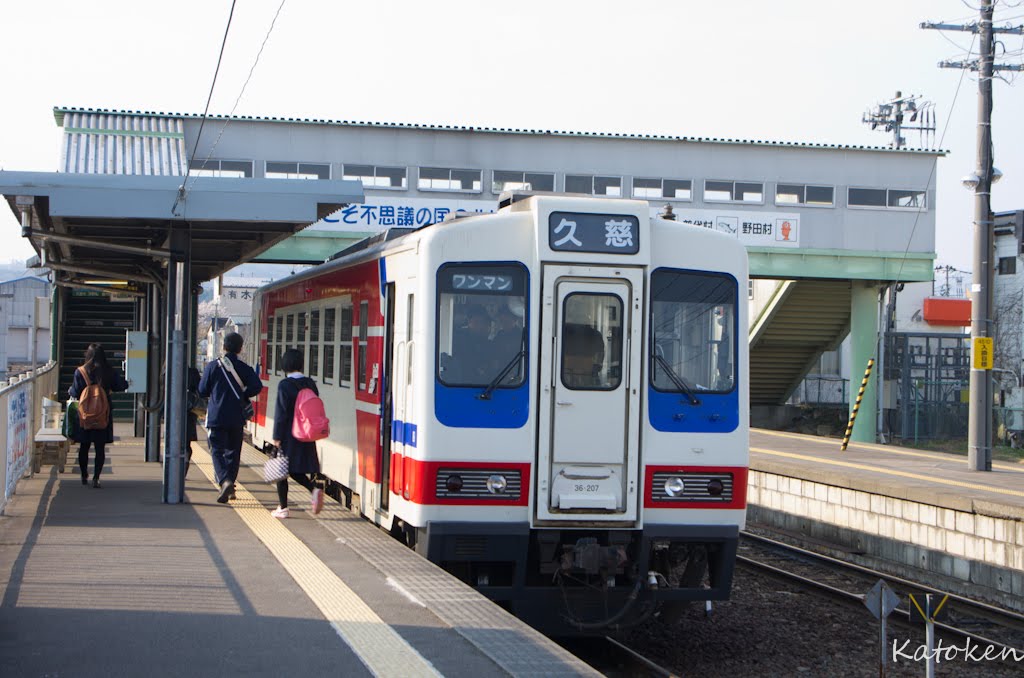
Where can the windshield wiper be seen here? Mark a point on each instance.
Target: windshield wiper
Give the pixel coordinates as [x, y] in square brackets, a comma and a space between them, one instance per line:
[486, 393]
[677, 380]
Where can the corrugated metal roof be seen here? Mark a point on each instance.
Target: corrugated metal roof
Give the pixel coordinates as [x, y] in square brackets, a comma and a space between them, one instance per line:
[102, 142]
[60, 113]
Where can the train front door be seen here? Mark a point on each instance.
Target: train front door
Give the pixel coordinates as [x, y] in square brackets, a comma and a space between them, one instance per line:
[590, 403]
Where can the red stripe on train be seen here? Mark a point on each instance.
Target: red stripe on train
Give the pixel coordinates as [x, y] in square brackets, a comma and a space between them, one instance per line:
[739, 487]
[418, 480]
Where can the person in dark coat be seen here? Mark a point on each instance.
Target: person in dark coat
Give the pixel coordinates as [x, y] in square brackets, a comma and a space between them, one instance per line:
[100, 372]
[303, 463]
[224, 412]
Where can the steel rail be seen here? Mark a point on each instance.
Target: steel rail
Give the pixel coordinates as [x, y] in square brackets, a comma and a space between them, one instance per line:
[836, 563]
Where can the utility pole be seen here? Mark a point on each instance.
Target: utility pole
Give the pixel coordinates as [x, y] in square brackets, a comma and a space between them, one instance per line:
[979, 427]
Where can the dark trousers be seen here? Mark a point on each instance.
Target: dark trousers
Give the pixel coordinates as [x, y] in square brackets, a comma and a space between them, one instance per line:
[282, 487]
[83, 459]
[226, 450]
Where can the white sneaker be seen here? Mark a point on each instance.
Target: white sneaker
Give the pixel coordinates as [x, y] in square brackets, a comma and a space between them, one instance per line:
[317, 500]
[280, 512]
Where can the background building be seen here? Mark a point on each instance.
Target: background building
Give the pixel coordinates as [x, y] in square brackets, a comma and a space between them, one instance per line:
[24, 324]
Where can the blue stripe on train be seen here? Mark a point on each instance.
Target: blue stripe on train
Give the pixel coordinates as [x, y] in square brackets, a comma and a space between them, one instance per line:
[403, 432]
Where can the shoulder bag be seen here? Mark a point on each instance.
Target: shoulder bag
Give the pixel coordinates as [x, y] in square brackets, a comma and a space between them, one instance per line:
[248, 411]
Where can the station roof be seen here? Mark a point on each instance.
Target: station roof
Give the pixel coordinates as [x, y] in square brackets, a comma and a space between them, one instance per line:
[122, 225]
[60, 111]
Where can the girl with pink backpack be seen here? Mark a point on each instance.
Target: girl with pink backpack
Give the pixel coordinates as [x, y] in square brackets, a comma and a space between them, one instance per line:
[292, 438]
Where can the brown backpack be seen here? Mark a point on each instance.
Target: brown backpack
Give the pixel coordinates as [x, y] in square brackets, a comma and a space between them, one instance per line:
[93, 406]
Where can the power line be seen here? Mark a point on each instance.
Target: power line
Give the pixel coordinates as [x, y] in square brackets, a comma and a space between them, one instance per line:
[238, 99]
[220, 57]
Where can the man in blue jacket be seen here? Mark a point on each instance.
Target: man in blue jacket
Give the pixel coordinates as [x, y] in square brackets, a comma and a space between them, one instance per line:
[228, 383]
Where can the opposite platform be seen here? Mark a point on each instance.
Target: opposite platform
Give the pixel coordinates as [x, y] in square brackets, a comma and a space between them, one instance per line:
[918, 514]
[110, 582]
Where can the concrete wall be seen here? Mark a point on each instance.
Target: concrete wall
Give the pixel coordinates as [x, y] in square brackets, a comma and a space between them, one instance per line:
[977, 547]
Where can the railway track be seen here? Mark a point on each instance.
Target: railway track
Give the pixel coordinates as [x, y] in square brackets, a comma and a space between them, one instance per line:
[980, 622]
[613, 659]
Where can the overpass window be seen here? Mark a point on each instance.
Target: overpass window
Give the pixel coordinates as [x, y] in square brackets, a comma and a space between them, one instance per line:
[505, 180]
[801, 194]
[345, 347]
[447, 179]
[892, 197]
[589, 184]
[666, 189]
[297, 170]
[377, 177]
[220, 168]
[733, 191]
[693, 331]
[330, 332]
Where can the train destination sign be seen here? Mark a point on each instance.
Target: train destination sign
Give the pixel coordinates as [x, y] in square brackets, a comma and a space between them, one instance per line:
[602, 233]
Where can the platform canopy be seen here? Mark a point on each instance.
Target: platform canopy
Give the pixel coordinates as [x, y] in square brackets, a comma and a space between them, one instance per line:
[125, 227]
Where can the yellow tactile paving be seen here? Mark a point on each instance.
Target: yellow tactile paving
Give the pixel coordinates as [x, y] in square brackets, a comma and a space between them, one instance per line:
[888, 471]
[381, 649]
[938, 456]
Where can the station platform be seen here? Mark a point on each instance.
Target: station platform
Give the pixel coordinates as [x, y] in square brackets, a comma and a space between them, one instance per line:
[923, 513]
[111, 582]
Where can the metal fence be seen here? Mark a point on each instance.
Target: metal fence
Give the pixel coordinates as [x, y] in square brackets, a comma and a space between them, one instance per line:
[21, 401]
[927, 376]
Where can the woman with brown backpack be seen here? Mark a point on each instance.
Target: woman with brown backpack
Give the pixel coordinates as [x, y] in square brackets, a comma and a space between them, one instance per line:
[93, 383]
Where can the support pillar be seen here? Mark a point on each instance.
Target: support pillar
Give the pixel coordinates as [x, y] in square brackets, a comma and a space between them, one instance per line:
[179, 311]
[154, 394]
[863, 345]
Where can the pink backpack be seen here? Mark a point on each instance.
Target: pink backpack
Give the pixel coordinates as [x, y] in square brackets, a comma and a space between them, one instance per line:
[310, 422]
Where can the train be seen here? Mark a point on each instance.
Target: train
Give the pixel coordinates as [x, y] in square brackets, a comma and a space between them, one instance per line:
[549, 401]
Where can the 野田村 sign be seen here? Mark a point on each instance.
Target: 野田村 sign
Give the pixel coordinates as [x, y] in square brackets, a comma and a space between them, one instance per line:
[601, 233]
[765, 229]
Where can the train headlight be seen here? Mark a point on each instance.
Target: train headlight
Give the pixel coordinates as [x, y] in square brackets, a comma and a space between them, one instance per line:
[716, 487]
[453, 483]
[674, 486]
[496, 484]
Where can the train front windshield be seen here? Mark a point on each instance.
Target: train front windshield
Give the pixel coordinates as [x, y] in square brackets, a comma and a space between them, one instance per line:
[481, 325]
[693, 331]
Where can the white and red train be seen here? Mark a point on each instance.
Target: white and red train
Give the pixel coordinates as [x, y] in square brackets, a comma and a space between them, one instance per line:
[550, 401]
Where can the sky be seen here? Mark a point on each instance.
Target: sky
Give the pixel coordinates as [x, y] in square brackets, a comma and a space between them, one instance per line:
[786, 70]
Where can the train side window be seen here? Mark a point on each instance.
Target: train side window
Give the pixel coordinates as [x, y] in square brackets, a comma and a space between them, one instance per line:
[314, 343]
[278, 343]
[330, 332]
[592, 342]
[364, 328]
[408, 336]
[289, 332]
[693, 331]
[481, 324]
[268, 362]
[300, 336]
[345, 347]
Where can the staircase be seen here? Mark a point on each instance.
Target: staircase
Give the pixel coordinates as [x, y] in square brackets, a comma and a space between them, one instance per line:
[804, 319]
[92, 318]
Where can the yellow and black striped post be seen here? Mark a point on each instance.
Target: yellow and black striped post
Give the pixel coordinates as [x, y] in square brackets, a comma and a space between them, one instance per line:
[856, 405]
